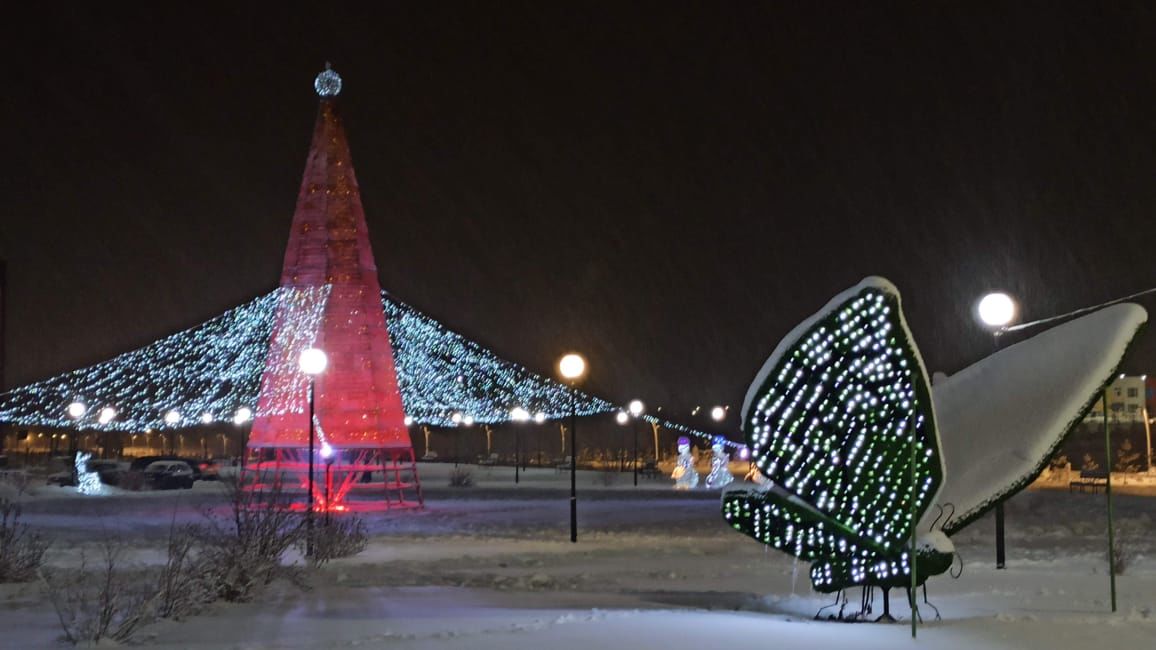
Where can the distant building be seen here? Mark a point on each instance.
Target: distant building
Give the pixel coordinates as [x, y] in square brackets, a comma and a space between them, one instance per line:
[1128, 397]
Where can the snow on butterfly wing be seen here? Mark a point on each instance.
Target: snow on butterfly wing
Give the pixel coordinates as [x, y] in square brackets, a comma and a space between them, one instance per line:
[829, 421]
[1001, 419]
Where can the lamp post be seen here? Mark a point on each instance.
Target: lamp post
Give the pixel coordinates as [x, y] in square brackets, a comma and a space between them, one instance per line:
[572, 367]
[621, 418]
[518, 415]
[312, 362]
[539, 418]
[76, 410]
[327, 455]
[636, 409]
[718, 413]
[996, 311]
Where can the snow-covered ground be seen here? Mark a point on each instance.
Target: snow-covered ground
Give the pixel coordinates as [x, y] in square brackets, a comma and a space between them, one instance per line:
[491, 566]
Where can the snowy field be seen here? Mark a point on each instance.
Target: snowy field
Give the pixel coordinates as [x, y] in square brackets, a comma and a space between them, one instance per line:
[491, 566]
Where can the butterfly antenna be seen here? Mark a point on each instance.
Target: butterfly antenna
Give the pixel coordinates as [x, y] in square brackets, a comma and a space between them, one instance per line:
[951, 570]
[947, 519]
[937, 516]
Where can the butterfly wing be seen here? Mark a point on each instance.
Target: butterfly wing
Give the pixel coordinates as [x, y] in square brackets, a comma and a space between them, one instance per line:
[1002, 418]
[831, 419]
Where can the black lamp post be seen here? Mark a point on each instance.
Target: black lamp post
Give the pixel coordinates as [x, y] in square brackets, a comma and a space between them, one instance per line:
[636, 409]
[313, 363]
[997, 311]
[572, 367]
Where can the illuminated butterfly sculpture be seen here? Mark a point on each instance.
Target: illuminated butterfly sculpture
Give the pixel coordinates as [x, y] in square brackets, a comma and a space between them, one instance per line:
[856, 450]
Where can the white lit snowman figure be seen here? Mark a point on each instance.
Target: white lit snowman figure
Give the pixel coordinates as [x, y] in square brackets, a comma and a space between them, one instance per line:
[720, 473]
[684, 475]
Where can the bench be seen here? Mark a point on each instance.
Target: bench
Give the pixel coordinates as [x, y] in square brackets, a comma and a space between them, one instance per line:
[649, 469]
[1093, 480]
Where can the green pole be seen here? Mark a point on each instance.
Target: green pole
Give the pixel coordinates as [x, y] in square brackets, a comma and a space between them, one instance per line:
[1108, 493]
[914, 527]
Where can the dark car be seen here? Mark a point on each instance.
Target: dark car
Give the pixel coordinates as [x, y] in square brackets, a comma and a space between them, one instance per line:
[169, 475]
[140, 464]
[109, 471]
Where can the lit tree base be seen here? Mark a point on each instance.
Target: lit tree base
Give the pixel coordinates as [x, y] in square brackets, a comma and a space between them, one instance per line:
[344, 483]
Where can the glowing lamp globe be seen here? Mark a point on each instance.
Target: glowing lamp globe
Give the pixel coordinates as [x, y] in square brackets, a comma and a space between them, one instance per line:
[313, 361]
[326, 450]
[539, 417]
[456, 418]
[572, 366]
[519, 414]
[621, 417]
[106, 415]
[468, 420]
[243, 415]
[172, 417]
[636, 407]
[718, 413]
[996, 310]
[77, 409]
[408, 420]
[207, 418]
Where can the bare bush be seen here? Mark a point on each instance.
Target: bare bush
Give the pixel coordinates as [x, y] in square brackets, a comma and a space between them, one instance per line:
[21, 549]
[1121, 556]
[338, 537]
[184, 584]
[241, 550]
[606, 478]
[461, 477]
[106, 603]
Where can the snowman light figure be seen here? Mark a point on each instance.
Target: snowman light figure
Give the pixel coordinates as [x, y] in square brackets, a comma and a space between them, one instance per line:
[684, 475]
[720, 473]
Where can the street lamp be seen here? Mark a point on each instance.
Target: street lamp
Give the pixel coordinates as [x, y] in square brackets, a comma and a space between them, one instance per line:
[996, 311]
[572, 366]
[313, 363]
[718, 413]
[636, 409]
[327, 455]
[518, 415]
[621, 418]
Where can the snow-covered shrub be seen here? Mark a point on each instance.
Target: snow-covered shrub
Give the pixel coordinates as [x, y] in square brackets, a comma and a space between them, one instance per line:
[240, 550]
[109, 602]
[461, 477]
[21, 550]
[183, 585]
[338, 537]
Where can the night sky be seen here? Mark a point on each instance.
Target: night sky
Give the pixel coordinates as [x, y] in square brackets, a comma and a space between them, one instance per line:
[668, 190]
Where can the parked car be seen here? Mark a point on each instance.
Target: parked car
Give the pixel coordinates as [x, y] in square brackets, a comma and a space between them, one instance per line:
[109, 471]
[142, 463]
[169, 475]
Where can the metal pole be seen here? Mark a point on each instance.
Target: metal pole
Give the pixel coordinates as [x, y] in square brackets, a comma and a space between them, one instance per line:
[635, 452]
[328, 484]
[1000, 547]
[1108, 492]
[1148, 438]
[309, 510]
[914, 530]
[517, 455]
[573, 466]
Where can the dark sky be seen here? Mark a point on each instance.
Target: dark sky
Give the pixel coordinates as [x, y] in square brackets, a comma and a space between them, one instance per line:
[668, 189]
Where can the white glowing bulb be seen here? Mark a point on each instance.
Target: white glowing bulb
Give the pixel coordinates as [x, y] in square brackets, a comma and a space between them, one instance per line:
[207, 418]
[326, 450]
[456, 418]
[313, 361]
[996, 309]
[106, 415]
[636, 407]
[243, 415]
[408, 420]
[172, 417]
[539, 417]
[572, 366]
[468, 420]
[519, 414]
[718, 413]
[77, 409]
[621, 417]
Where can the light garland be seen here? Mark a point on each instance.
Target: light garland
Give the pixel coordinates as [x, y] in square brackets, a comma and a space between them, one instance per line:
[831, 427]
